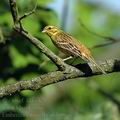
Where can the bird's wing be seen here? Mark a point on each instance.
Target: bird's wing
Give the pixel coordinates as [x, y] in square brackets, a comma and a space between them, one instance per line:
[68, 44]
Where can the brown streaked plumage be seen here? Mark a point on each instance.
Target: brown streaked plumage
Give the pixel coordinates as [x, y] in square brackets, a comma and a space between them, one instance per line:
[69, 45]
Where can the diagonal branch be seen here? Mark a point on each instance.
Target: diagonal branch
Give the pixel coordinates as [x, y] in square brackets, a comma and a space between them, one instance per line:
[55, 59]
[18, 27]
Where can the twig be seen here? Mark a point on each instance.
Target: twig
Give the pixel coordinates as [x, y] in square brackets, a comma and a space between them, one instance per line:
[29, 13]
[110, 39]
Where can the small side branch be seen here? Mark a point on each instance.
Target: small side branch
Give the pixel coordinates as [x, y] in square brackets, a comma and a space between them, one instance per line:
[110, 40]
[29, 13]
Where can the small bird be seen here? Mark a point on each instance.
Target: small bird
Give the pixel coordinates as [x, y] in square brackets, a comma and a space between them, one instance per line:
[69, 45]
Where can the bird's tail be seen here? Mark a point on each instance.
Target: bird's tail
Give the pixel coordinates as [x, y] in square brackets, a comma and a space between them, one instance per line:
[93, 61]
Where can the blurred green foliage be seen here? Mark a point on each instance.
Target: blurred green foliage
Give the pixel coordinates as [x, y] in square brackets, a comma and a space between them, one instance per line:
[77, 99]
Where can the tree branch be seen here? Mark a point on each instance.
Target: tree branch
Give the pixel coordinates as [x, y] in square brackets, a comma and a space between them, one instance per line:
[58, 76]
[14, 11]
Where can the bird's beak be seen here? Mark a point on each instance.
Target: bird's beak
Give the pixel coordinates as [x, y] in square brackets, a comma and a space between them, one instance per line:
[43, 31]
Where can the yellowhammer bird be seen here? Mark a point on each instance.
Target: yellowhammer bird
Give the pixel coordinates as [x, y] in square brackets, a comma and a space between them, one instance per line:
[69, 45]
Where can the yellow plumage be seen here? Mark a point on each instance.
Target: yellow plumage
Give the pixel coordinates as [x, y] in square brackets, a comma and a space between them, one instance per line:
[69, 45]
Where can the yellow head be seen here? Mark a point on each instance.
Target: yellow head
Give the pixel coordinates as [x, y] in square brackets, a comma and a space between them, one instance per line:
[51, 30]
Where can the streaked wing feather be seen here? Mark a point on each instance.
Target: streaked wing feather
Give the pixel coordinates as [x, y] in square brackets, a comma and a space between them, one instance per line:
[67, 43]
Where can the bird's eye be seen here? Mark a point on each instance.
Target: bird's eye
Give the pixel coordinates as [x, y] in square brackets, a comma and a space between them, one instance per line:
[49, 28]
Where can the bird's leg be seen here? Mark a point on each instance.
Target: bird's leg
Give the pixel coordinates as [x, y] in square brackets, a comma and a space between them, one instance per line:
[67, 58]
[73, 60]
